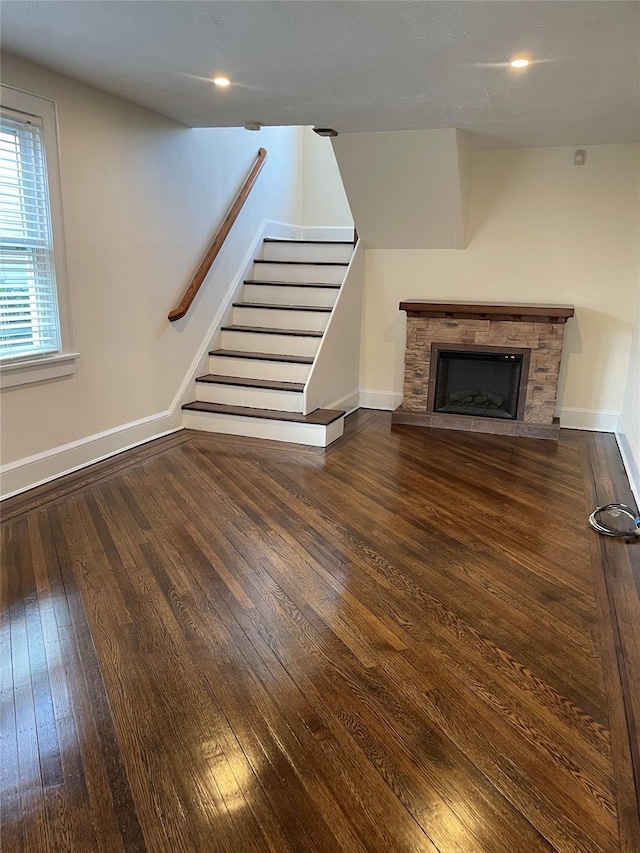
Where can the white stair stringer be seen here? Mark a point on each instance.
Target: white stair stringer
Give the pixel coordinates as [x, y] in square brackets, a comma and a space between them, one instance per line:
[265, 353]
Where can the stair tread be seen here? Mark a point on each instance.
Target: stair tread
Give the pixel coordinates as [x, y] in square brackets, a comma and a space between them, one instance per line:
[271, 384]
[262, 356]
[274, 306]
[306, 263]
[299, 333]
[321, 417]
[314, 242]
[325, 284]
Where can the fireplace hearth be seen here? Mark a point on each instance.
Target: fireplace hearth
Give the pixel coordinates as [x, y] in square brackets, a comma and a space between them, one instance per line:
[484, 368]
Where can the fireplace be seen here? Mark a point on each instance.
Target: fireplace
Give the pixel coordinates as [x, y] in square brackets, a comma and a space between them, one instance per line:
[487, 382]
[483, 367]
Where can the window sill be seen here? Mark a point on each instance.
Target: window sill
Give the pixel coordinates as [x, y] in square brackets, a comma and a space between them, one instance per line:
[38, 369]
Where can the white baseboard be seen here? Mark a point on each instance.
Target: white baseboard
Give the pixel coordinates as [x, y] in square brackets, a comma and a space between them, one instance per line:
[40, 468]
[282, 230]
[349, 403]
[630, 453]
[387, 400]
[308, 232]
[589, 419]
[327, 232]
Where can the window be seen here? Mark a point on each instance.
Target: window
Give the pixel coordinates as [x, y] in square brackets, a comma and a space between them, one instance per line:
[34, 326]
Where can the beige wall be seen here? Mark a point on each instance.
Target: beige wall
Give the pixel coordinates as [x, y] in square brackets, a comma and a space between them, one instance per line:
[324, 200]
[540, 230]
[142, 198]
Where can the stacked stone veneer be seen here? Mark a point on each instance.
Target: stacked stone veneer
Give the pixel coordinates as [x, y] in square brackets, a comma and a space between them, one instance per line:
[543, 339]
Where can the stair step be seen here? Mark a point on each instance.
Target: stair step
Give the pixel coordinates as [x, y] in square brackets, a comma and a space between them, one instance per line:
[327, 272]
[271, 306]
[271, 384]
[255, 338]
[296, 333]
[291, 293]
[262, 356]
[306, 263]
[321, 417]
[331, 286]
[276, 367]
[307, 251]
[313, 242]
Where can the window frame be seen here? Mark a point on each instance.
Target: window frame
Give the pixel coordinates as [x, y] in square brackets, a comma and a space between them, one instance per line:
[26, 369]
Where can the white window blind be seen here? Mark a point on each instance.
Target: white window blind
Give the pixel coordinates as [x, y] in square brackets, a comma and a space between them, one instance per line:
[29, 322]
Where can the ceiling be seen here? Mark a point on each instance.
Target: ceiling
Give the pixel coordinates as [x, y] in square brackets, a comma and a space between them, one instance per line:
[356, 66]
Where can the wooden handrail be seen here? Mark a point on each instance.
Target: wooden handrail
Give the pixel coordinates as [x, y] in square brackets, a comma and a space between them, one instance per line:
[221, 236]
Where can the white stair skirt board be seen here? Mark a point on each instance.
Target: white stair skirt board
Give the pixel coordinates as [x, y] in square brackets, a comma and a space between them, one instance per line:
[329, 274]
[259, 342]
[314, 435]
[281, 250]
[248, 368]
[254, 398]
[276, 318]
[290, 294]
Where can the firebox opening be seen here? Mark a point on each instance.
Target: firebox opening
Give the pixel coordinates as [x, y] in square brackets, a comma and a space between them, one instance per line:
[484, 384]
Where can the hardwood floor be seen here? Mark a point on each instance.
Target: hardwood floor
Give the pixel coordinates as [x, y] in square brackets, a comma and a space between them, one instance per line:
[408, 642]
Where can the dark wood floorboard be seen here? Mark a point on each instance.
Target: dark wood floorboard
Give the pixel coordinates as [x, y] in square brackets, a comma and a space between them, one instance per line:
[409, 642]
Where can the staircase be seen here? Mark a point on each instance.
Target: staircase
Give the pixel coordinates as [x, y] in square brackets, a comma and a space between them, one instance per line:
[257, 376]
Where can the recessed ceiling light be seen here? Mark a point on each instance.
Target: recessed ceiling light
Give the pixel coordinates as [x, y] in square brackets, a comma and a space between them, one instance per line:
[519, 63]
[223, 82]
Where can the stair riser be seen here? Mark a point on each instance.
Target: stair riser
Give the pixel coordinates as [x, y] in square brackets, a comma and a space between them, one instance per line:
[272, 318]
[307, 252]
[257, 342]
[290, 295]
[310, 434]
[254, 369]
[298, 272]
[254, 398]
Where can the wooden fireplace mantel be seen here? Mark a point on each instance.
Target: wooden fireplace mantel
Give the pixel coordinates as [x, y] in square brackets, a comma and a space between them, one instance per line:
[489, 311]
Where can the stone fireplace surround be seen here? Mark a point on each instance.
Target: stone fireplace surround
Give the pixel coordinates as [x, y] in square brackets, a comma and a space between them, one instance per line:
[537, 329]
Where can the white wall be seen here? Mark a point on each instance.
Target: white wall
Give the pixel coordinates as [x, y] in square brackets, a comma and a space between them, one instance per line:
[324, 202]
[143, 196]
[540, 230]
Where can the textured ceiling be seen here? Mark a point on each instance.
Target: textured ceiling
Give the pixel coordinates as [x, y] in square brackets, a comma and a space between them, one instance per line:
[356, 66]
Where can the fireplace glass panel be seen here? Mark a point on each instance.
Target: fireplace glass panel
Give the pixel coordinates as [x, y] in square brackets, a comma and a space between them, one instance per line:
[483, 384]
